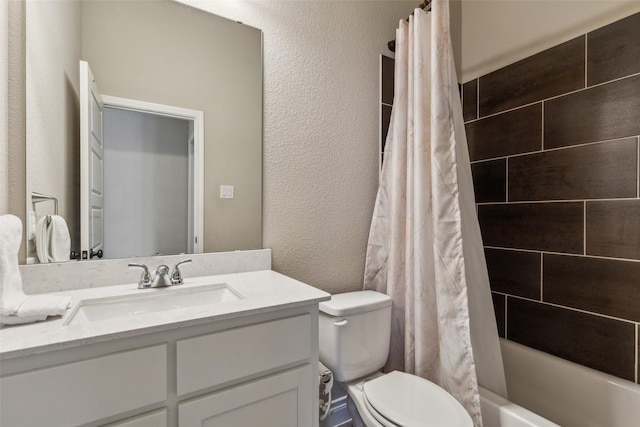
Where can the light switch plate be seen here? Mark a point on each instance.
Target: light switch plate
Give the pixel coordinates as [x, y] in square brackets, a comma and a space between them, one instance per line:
[226, 192]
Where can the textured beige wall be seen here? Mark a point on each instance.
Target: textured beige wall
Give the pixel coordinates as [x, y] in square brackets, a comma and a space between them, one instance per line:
[496, 33]
[15, 95]
[53, 43]
[4, 105]
[320, 129]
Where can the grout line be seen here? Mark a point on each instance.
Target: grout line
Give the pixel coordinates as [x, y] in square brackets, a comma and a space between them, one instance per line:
[586, 41]
[506, 307]
[541, 277]
[578, 310]
[522, 202]
[584, 228]
[547, 150]
[537, 251]
[461, 99]
[388, 105]
[542, 129]
[556, 96]
[506, 181]
[478, 98]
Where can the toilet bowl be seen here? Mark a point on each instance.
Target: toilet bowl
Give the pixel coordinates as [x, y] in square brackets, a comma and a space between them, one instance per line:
[354, 334]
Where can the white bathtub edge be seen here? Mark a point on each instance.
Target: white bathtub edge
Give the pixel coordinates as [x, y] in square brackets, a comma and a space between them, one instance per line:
[499, 412]
[567, 393]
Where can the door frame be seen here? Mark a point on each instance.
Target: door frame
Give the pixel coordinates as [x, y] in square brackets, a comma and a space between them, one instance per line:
[197, 117]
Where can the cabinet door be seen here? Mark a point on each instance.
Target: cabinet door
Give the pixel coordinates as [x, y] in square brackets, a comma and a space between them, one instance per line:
[278, 400]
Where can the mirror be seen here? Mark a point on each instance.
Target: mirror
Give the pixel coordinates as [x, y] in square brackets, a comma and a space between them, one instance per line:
[160, 52]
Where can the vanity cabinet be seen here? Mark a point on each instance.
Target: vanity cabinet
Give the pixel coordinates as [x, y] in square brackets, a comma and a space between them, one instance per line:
[280, 399]
[277, 400]
[251, 370]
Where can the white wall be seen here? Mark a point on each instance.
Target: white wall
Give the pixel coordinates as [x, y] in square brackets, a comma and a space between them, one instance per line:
[146, 188]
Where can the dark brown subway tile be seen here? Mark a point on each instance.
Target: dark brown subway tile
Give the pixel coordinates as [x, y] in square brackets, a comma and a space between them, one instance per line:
[490, 180]
[385, 120]
[388, 65]
[499, 307]
[609, 111]
[613, 228]
[549, 73]
[514, 272]
[553, 227]
[600, 343]
[514, 132]
[596, 171]
[470, 100]
[613, 51]
[603, 286]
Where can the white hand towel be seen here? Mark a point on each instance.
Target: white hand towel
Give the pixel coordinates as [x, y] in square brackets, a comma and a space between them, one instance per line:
[15, 306]
[53, 243]
[11, 295]
[43, 238]
[60, 240]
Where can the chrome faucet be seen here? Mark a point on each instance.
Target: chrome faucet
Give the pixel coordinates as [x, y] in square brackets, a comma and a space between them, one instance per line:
[161, 278]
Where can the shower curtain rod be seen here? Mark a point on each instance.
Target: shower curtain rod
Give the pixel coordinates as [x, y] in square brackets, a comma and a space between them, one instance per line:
[426, 6]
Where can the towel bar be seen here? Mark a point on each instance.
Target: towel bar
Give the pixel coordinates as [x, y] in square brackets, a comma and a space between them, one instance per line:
[39, 197]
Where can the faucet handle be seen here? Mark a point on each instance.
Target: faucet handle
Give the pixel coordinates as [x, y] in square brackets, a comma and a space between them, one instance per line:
[176, 276]
[145, 279]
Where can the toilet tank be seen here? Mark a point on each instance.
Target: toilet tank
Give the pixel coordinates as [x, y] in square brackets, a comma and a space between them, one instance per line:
[355, 329]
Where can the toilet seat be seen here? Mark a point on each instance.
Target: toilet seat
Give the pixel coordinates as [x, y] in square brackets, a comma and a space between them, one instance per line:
[401, 399]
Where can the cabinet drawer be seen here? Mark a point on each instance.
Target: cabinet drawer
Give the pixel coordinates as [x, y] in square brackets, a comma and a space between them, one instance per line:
[86, 391]
[278, 400]
[217, 358]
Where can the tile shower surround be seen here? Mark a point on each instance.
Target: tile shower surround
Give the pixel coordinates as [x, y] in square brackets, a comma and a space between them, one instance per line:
[554, 141]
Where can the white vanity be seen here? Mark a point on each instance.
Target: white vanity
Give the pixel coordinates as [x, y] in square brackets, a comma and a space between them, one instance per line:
[246, 359]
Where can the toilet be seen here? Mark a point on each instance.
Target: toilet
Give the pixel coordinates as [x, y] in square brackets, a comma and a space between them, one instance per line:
[355, 330]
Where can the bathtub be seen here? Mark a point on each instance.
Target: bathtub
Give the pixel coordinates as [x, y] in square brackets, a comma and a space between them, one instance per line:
[566, 393]
[499, 412]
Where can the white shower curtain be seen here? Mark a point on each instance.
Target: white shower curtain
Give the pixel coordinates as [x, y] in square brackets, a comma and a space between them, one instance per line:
[425, 248]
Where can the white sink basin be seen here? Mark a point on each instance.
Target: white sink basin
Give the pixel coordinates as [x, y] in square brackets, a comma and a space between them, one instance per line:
[150, 301]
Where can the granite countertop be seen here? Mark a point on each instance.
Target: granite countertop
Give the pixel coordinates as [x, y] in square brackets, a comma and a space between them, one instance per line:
[262, 292]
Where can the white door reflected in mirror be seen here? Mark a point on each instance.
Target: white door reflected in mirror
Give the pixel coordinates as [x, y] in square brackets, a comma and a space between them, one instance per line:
[141, 180]
[91, 165]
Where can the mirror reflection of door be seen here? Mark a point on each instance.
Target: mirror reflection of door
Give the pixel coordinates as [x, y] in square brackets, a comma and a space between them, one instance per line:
[91, 164]
[147, 185]
[147, 178]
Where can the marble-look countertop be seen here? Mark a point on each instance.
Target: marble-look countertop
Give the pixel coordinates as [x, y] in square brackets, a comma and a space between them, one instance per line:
[262, 292]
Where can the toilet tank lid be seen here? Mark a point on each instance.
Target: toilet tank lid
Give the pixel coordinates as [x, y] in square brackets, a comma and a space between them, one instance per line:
[351, 303]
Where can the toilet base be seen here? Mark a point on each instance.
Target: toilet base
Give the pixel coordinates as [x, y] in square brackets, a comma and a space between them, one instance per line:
[356, 405]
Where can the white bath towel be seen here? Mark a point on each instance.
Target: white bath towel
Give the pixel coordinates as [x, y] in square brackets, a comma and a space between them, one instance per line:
[53, 243]
[15, 306]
